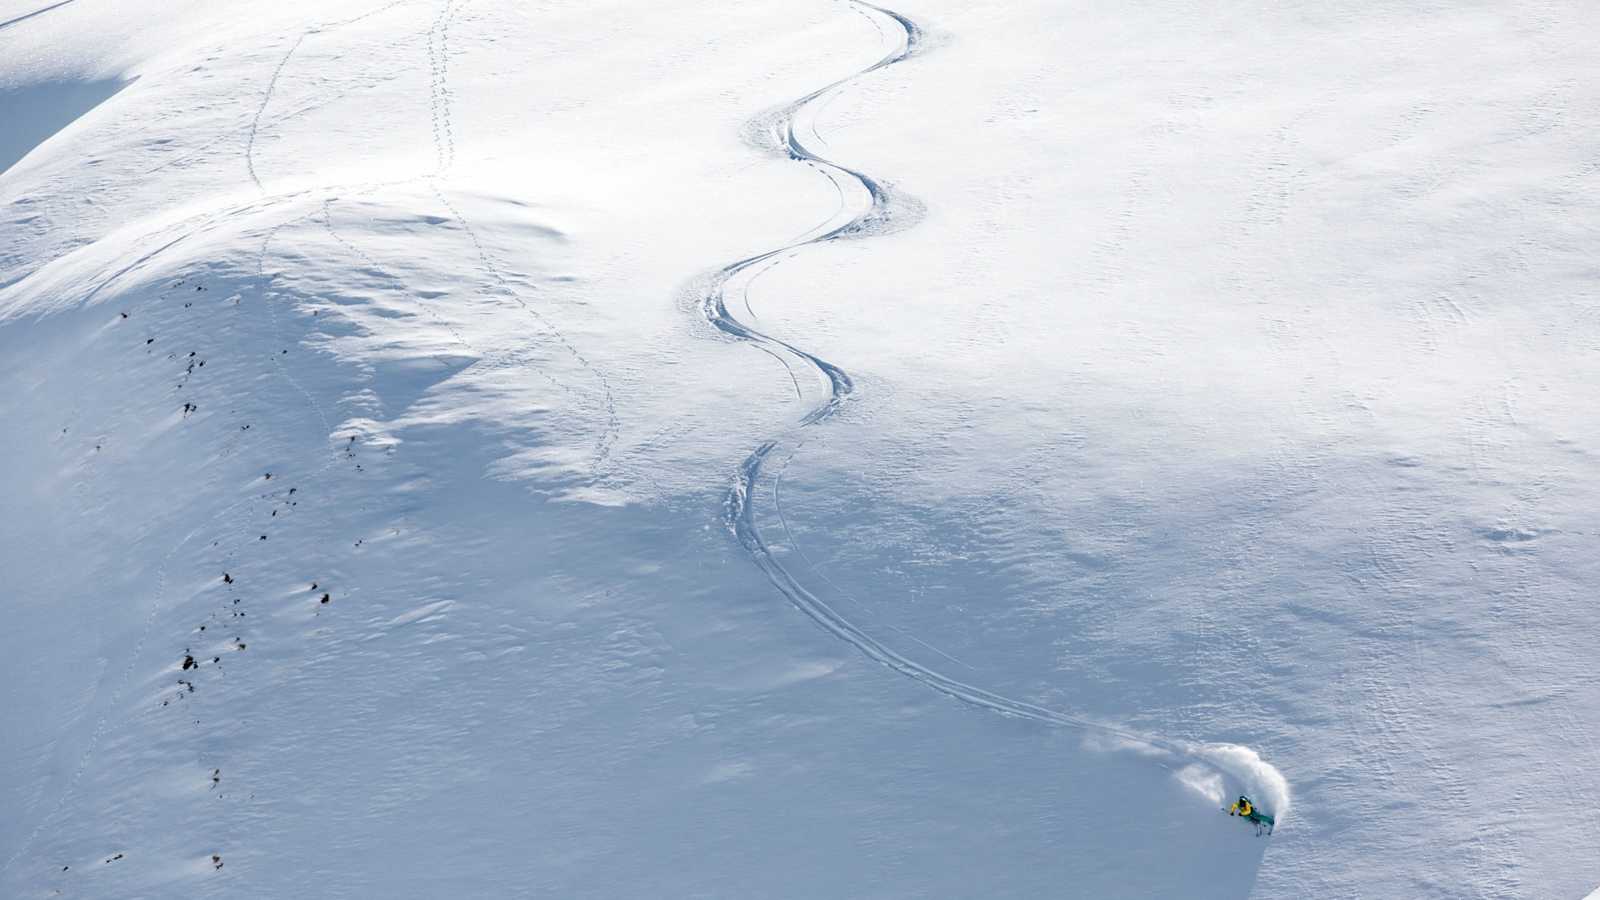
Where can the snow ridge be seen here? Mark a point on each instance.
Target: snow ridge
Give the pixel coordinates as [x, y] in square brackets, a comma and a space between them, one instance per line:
[1214, 770]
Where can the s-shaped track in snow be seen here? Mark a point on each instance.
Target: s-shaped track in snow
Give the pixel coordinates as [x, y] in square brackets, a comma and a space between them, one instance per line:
[880, 210]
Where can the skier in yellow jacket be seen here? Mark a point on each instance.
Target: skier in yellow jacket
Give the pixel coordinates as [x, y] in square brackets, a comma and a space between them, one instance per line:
[1248, 811]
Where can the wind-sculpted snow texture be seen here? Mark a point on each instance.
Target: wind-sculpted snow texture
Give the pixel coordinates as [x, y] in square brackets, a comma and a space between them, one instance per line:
[1225, 769]
[1198, 395]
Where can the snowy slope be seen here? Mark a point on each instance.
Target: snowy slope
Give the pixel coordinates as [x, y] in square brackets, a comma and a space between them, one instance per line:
[797, 449]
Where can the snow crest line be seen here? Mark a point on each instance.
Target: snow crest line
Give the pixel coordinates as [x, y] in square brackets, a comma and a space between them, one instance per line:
[1213, 770]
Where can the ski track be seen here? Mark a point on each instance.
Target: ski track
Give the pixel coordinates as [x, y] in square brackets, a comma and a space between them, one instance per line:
[783, 520]
[266, 97]
[740, 509]
[277, 73]
[740, 503]
[38, 12]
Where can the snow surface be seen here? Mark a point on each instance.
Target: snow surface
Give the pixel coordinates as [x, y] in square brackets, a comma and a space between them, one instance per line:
[798, 449]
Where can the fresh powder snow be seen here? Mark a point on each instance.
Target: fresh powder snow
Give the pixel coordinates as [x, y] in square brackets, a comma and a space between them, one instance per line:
[798, 449]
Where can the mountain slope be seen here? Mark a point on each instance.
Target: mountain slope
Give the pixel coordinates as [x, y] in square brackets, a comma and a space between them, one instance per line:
[380, 394]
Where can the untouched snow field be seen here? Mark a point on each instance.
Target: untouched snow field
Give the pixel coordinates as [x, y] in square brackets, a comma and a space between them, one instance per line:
[798, 449]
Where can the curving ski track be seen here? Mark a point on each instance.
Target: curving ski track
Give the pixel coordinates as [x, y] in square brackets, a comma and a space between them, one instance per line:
[1239, 762]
